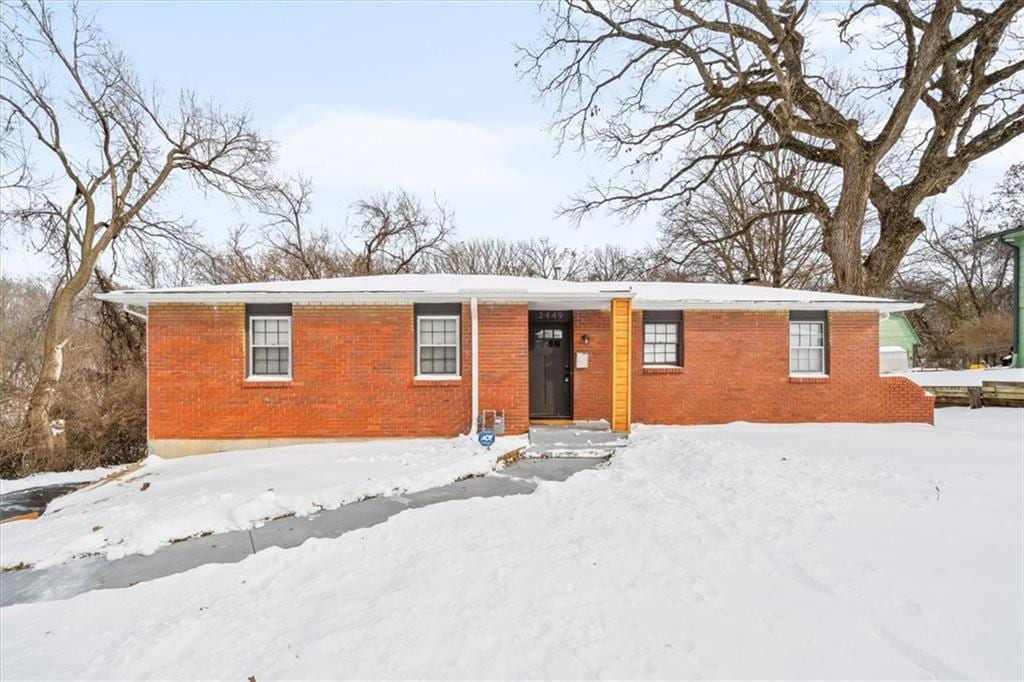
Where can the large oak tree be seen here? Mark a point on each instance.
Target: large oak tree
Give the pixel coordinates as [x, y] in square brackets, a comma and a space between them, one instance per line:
[88, 151]
[681, 88]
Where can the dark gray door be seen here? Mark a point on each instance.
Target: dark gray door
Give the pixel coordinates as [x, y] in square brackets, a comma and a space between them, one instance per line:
[550, 370]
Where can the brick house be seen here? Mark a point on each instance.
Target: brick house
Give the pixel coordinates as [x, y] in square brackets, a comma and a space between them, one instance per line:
[420, 355]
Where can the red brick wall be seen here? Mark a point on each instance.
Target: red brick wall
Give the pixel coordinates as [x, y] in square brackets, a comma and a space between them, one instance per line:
[736, 368]
[353, 375]
[354, 366]
[592, 387]
[505, 363]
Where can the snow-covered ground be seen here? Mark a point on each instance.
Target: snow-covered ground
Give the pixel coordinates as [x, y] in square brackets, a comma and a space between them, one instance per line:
[171, 499]
[963, 377]
[11, 485]
[736, 551]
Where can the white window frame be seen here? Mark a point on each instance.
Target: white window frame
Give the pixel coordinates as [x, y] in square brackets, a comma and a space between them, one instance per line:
[458, 348]
[678, 361]
[251, 362]
[821, 349]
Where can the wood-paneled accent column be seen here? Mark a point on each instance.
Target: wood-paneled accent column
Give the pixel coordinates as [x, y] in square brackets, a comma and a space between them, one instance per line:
[622, 334]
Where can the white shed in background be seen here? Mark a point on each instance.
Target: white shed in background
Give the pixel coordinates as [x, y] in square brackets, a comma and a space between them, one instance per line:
[893, 359]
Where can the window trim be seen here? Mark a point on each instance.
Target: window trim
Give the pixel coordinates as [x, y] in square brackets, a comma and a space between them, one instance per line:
[662, 317]
[420, 376]
[809, 317]
[251, 362]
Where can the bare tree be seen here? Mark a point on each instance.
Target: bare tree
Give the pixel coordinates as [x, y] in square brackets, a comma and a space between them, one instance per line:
[392, 232]
[160, 266]
[976, 275]
[101, 399]
[487, 256]
[966, 285]
[397, 233]
[104, 151]
[20, 325]
[523, 258]
[615, 264]
[655, 82]
[296, 251]
[1009, 198]
[235, 261]
[543, 258]
[741, 225]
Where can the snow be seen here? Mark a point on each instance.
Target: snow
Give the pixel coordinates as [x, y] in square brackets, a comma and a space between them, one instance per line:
[171, 499]
[10, 485]
[725, 552]
[498, 287]
[693, 294]
[964, 377]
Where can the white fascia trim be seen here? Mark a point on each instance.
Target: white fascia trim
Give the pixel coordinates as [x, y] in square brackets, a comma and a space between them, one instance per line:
[127, 307]
[837, 306]
[536, 301]
[354, 298]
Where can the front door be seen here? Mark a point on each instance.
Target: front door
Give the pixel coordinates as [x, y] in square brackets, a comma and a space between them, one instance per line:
[550, 364]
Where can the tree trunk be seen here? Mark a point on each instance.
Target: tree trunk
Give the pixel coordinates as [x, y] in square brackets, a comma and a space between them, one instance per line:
[898, 229]
[845, 227]
[38, 418]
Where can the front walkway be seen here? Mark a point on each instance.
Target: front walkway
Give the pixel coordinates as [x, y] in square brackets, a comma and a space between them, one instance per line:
[97, 573]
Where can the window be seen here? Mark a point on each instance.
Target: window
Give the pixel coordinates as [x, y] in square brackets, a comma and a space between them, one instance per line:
[269, 333]
[270, 348]
[663, 338]
[548, 333]
[437, 340]
[808, 337]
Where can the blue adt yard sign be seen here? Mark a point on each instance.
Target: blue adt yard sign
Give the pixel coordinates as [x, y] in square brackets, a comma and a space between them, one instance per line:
[486, 438]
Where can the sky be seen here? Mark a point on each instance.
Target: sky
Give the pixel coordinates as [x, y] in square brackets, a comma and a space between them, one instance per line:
[368, 97]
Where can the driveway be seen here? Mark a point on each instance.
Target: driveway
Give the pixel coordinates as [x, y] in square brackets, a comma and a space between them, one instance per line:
[33, 499]
[97, 573]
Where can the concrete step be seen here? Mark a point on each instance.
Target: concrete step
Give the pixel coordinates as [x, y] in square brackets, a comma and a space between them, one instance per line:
[579, 439]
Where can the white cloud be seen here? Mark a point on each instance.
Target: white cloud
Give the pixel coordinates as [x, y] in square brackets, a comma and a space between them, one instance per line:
[501, 180]
[351, 149]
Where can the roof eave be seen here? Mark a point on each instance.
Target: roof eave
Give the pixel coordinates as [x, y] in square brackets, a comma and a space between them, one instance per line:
[348, 297]
[884, 306]
[1001, 235]
[566, 300]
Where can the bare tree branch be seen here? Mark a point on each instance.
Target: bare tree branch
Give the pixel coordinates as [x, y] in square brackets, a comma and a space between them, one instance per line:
[81, 200]
[656, 86]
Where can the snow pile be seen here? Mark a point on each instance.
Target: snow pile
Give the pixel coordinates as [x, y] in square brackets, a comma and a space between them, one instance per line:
[964, 377]
[170, 499]
[725, 552]
[11, 485]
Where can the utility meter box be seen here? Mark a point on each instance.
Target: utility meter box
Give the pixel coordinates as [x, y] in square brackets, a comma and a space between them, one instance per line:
[493, 420]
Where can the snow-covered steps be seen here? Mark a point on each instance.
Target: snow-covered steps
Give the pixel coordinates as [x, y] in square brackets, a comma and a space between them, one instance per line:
[579, 439]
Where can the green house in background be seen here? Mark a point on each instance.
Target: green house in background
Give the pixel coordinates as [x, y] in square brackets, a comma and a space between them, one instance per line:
[895, 331]
[1015, 239]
